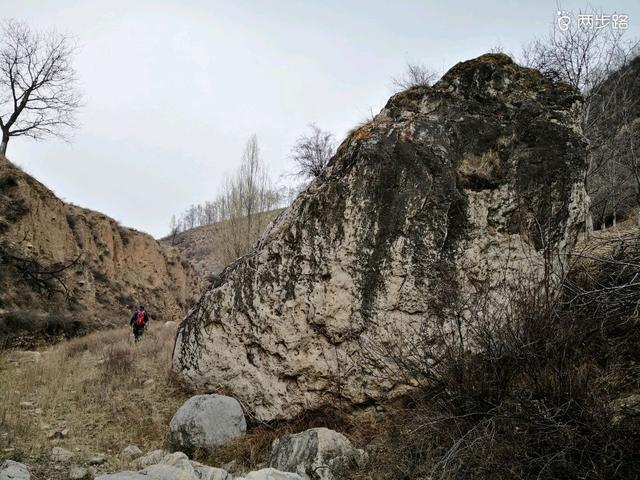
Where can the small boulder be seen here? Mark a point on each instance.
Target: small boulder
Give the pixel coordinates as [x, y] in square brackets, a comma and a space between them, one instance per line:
[206, 421]
[131, 452]
[10, 470]
[271, 474]
[59, 454]
[128, 475]
[317, 453]
[98, 459]
[79, 473]
[149, 459]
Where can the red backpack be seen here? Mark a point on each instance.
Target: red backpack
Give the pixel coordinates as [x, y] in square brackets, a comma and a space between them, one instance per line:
[140, 319]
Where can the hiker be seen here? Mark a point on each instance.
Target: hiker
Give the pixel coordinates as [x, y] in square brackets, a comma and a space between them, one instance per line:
[139, 322]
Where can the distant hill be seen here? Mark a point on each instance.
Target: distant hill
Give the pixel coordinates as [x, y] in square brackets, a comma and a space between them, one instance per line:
[66, 269]
[201, 245]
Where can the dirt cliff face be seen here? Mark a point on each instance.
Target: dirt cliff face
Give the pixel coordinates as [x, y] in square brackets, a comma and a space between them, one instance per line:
[65, 261]
[452, 191]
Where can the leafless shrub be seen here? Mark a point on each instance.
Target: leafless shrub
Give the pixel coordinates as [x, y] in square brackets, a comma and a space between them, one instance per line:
[518, 391]
[415, 75]
[312, 152]
[118, 362]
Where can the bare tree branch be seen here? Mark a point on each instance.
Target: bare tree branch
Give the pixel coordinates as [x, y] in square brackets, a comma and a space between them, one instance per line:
[312, 152]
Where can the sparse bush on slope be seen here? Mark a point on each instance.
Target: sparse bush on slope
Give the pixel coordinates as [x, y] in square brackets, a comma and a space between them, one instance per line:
[529, 391]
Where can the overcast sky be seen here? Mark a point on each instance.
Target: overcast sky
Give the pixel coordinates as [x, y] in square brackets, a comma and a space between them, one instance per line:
[173, 89]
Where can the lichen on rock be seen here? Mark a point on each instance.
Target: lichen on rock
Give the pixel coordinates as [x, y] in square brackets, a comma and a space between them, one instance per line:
[449, 189]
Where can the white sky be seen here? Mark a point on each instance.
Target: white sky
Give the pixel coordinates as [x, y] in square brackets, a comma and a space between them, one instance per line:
[173, 89]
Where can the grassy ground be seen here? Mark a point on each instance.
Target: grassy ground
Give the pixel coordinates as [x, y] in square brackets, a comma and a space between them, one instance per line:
[95, 387]
[105, 390]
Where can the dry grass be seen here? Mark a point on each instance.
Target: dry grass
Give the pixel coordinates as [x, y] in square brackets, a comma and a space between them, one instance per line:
[95, 387]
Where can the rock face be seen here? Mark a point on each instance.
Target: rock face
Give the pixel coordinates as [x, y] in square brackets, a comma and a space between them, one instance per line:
[112, 267]
[10, 470]
[206, 421]
[174, 466]
[316, 454]
[270, 474]
[450, 192]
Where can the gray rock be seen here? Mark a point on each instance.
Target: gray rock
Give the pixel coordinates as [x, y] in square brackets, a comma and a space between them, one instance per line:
[271, 474]
[206, 421]
[148, 459]
[471, 182]
[97, 459]
[131, 452]
[128, 475]
[204, 472]
[10, 470]
[168, 472]
[79, 473]
[59, 454]
[317, 453]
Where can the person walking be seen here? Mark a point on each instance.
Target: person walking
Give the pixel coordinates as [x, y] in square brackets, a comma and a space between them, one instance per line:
[138, 322]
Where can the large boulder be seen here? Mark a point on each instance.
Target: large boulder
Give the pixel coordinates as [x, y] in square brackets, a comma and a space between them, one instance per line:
[10, 470]
[316, 454]
[450, 194]
[206, 421]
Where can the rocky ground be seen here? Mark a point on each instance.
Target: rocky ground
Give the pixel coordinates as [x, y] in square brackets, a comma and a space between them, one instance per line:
[93, 406]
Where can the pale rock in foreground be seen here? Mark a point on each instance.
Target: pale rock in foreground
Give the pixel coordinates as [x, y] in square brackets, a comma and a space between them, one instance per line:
[173, 466]
[149, 458]
[10, 470]
[131, 452]
[316, 454]
[206, 421]
[452, 195]
[78, 473]
[270, 474]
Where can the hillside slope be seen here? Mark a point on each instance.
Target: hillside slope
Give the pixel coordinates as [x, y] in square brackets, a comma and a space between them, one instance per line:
[202, 245]
[64, 265]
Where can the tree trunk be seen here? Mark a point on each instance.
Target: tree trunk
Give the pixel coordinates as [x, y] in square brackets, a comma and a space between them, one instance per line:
[5, 141]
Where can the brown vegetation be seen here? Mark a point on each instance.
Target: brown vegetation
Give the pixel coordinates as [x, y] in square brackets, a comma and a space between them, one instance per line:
[530, 390]
[94, 386]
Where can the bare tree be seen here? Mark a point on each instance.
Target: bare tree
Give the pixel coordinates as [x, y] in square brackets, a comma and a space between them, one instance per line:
[583, 56]
[312, 152]
[415, 75]
[174, 225]
[246, 197]
[38, 91]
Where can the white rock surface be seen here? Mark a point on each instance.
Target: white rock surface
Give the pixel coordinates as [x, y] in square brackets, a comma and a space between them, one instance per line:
[206, 421]
[127, 475]
[97, 459]
[271, 474]
[317, 453]
[173, 466]
[10, 470]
